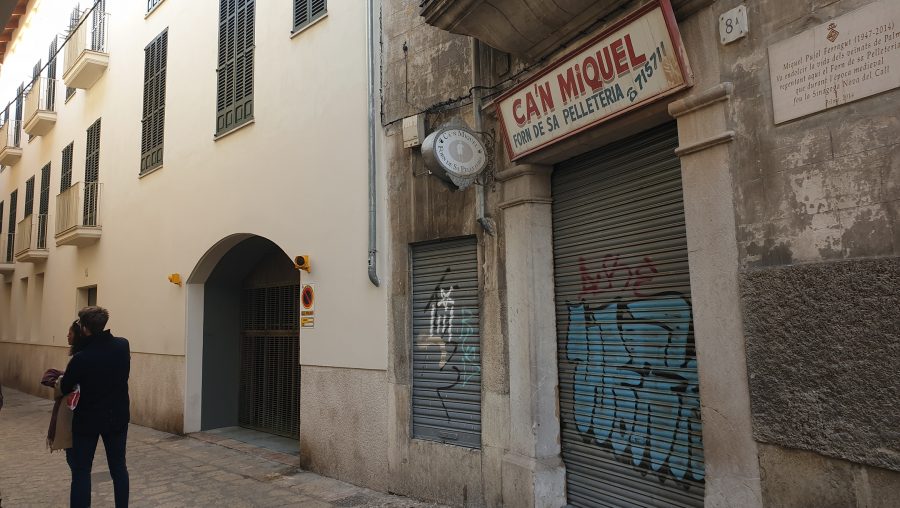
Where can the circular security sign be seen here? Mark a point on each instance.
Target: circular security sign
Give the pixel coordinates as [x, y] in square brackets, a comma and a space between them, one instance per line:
[457, 152]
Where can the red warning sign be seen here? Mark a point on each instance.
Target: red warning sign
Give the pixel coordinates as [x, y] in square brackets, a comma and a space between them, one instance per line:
[308, 297]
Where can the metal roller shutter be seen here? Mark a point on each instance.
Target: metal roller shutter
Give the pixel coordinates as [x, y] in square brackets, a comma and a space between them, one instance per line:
[629, 398]
[446, 399]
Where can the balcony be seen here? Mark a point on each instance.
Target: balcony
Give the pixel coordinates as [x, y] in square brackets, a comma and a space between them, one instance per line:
[40, 107]
[87, 51]
[532, 32]
[78, 214]
[31, 239]
[10, 142]
[7, 265]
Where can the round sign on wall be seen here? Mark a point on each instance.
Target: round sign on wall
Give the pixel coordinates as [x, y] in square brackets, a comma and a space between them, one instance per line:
[455, 153]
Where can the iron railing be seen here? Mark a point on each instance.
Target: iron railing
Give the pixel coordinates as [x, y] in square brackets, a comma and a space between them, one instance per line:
[31, 233]
[11, 135]
[92, 34]
[78, 206]
[41, 97]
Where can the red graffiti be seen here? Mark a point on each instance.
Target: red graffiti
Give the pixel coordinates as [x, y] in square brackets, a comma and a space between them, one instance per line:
[611, 274]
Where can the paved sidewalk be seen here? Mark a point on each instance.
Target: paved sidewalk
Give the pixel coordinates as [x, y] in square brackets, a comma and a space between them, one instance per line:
[165, 469]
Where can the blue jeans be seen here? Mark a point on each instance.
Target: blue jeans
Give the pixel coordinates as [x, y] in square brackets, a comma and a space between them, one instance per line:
[81, 457]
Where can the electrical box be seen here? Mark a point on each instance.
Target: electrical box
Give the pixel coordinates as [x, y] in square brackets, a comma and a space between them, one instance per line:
[413, 130]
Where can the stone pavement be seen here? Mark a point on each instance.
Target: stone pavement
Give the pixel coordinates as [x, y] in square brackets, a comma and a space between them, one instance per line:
[165, 469]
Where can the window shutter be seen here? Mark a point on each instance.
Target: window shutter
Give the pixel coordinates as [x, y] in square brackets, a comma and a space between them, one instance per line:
[234, 93]
[92, 174]
[11, 230]
[17, 126]
[73, 22]
[155, 55]
[65, 180]
[29, 196]
[44, 207]
[307, 11]
[51, 76]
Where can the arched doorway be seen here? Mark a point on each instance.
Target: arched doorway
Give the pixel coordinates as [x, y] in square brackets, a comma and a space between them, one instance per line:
[243, 339]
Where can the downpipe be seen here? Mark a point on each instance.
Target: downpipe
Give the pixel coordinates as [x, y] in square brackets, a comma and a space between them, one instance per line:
[370, 55]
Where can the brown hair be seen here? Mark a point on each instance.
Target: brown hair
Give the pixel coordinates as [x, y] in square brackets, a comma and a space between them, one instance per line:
[93, 318]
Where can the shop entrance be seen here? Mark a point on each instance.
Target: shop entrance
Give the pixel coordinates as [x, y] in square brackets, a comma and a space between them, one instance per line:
[628, 391]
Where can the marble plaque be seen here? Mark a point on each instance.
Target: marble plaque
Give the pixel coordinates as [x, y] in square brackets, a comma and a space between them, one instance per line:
[851, 57]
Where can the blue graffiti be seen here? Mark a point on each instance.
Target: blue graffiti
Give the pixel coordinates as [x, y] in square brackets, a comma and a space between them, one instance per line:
[635, 383]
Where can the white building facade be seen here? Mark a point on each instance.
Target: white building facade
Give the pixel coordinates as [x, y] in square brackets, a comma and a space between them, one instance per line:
[175, 157]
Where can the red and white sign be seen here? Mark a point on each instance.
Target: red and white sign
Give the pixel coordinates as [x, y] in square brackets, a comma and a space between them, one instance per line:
[636, 61]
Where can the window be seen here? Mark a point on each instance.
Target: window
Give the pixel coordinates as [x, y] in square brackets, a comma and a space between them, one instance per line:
[74, 18]
[29, 197]
[11, 230]
[152, 3]
[92, 174]
[51, 76]
[234, 91]
[65, 179]
[307, 11]
[43, 207]
[154, 102]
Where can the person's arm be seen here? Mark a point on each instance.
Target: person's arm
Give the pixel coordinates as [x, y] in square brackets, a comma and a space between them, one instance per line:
[72, 376]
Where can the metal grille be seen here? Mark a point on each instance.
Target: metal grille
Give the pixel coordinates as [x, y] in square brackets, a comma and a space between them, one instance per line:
[446, 353]
[270, 360]
[234, 101]
[629, 399]
[155, 56]
[91, 174]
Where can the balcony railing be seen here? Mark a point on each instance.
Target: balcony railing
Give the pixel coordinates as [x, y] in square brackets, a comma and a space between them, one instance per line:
[31, 238]
[78, 214]
[10, 142]
[87, 51]
[40, 106]
[7, 265]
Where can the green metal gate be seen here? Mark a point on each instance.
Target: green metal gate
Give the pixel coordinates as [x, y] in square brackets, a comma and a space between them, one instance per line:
[629, 399]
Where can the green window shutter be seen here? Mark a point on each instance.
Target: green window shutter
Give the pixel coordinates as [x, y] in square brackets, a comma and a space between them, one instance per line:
[65, 180]
[44, 207]
[234, 90]
[11, 230]
[51, 76]
[74, 18]
[92, 174]
[29, 196]
[153, 121]
[307, 11]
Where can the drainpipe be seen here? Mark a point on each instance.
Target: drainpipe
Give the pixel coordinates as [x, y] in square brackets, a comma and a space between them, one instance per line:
[370, 55]
[480, 193]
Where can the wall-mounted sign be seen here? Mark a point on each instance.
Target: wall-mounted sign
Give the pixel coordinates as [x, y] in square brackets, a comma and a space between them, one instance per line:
[455, 154]
[636, 61]
[308, 306]
[846, 59]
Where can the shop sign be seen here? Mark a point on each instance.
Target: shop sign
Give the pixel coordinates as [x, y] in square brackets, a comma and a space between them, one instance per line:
[636, 61]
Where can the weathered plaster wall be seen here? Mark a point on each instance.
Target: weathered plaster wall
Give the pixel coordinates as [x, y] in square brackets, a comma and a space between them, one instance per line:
[155, 385]
[822, 187]
[823, 350]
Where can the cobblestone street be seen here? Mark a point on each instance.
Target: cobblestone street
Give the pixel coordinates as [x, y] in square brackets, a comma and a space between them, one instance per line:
[165, 470]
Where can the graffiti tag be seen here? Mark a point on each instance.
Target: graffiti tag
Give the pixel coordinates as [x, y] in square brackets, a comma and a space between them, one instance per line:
[635, 383]
[612, 273]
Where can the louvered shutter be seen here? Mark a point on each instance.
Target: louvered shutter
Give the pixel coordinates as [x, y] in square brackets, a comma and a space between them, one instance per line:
[234, 94]
[628, 387]
[307, 11]
[98, 25]
[446, 349]
[92, 174]
[44, 207]
[51, 76]
[74, 18]
[17, 125]
[29, 196]
[65, 179]
[11, 229]
[155, 57]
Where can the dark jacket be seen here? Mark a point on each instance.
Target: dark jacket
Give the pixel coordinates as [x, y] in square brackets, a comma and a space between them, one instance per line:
[101, 369]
